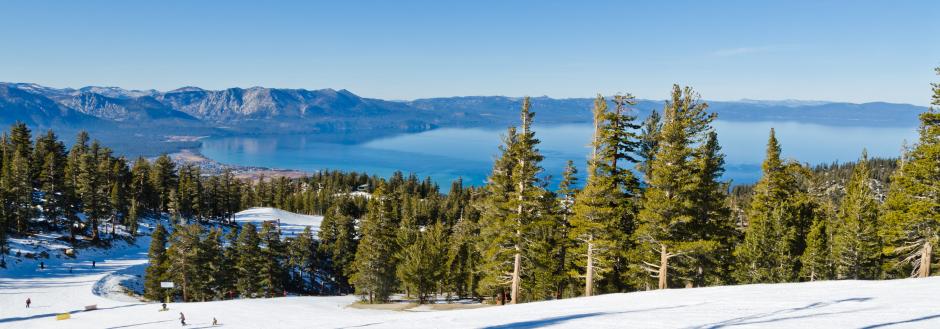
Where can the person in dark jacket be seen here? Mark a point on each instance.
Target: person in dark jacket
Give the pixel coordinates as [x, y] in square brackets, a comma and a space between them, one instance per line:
[28, 301]
[182, 319]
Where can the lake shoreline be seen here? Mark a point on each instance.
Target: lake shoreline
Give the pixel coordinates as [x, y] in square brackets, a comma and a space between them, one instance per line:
[212, 167]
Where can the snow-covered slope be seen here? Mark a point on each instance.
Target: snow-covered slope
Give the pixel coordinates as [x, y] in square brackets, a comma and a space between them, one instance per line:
[912, 303]
[67, 285]
[291, 224]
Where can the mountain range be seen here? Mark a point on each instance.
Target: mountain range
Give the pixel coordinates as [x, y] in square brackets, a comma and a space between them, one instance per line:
[143, 116]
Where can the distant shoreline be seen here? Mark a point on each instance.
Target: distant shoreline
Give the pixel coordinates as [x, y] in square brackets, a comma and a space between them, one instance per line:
[213, 167]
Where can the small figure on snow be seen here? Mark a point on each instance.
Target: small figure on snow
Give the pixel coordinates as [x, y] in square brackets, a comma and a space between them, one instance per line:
[182, 319]
[70, 270]
[28, 301]
[164, 307]
[215, 322]
[42, 265]
[92, 264]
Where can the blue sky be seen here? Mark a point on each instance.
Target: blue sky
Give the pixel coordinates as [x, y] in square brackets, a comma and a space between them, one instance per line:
[854, 51]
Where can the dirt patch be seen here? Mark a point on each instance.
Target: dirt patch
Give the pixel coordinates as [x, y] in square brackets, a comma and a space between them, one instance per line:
[384, 307]
[448, 307]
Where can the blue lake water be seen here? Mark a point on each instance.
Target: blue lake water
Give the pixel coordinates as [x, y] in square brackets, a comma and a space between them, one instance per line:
[446, 154]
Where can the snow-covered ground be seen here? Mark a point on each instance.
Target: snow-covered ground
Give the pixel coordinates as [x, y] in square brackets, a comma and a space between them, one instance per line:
[913, 303]
[68, 284]
[291, 224]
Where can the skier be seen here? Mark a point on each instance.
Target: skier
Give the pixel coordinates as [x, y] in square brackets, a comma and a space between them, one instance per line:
[182, 319]
[42, 265]
[92, 264]
[215, 322]
[164, 307]
[28, 301]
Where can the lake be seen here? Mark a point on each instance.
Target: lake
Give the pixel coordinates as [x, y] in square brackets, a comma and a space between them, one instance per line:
[448, 153]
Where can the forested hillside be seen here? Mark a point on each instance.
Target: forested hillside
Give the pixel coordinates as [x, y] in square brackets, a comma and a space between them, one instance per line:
[652, 213]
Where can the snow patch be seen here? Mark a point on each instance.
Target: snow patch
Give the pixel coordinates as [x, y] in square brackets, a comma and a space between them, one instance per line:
[290, 224]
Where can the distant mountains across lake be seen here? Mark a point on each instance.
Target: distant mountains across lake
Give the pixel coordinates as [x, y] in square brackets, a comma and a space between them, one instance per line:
[148, 122]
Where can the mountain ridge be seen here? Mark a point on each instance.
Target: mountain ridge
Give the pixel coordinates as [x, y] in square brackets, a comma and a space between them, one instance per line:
[148, 115]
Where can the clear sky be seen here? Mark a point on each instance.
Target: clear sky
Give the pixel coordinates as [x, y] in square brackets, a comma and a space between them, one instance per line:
[854, 51]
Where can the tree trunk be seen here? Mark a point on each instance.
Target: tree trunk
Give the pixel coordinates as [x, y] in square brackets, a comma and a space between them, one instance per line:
[516, 267]
[663, 266]
[589, 273]
[926, 252]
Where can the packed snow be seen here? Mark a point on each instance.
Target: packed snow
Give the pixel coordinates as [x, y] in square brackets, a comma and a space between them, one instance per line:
[290, 224]
[66, 285]
[911, 303]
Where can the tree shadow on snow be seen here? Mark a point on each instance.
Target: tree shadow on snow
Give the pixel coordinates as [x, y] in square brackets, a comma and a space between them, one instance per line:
[773, 316]
[886, 324]
[559, 319]
[49, 315]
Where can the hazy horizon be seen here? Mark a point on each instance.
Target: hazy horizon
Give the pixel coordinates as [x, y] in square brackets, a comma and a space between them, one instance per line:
[804, 50]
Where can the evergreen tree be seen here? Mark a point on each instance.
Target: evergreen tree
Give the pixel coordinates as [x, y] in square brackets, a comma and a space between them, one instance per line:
[374, 266]
[338, 244]
[249, 265]
[857, 246]
[595, 207]
[140, 187]
[132, 218]
[163, 179]
[711, 220]
[680, 176]
[213, 264]
[422, 266]
[20, 179]
[567, 194]
[463, 259]
[911, 222]
[156, 270]
[513, 202]
[767, 253]
[302, 260]
[817, 258]
[272, 260]
[649, 144]
[187, 262]
[50, 157]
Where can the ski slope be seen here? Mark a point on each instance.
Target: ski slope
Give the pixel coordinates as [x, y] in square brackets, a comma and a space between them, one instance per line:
[911, 303]
[291, 224]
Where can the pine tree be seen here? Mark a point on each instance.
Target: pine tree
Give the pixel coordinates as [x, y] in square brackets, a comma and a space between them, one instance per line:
[213, 265]
[133, 218]
[140, 187]
[20, 179]
[817, 262]
[857, 246]
[187, 262]
[163, 178]
[302, 260]
[594, 208]
[649, 144]
[767, 253]
[567, 194]
[249, 265]
[338, 244]
[156, 270]
[512, 203]
[50, 158]
[711, 220]
[911, 222]
[422, 266]
[272, 260]
[374, 266]
[463, 259]
[72, 186]
[680, 176]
